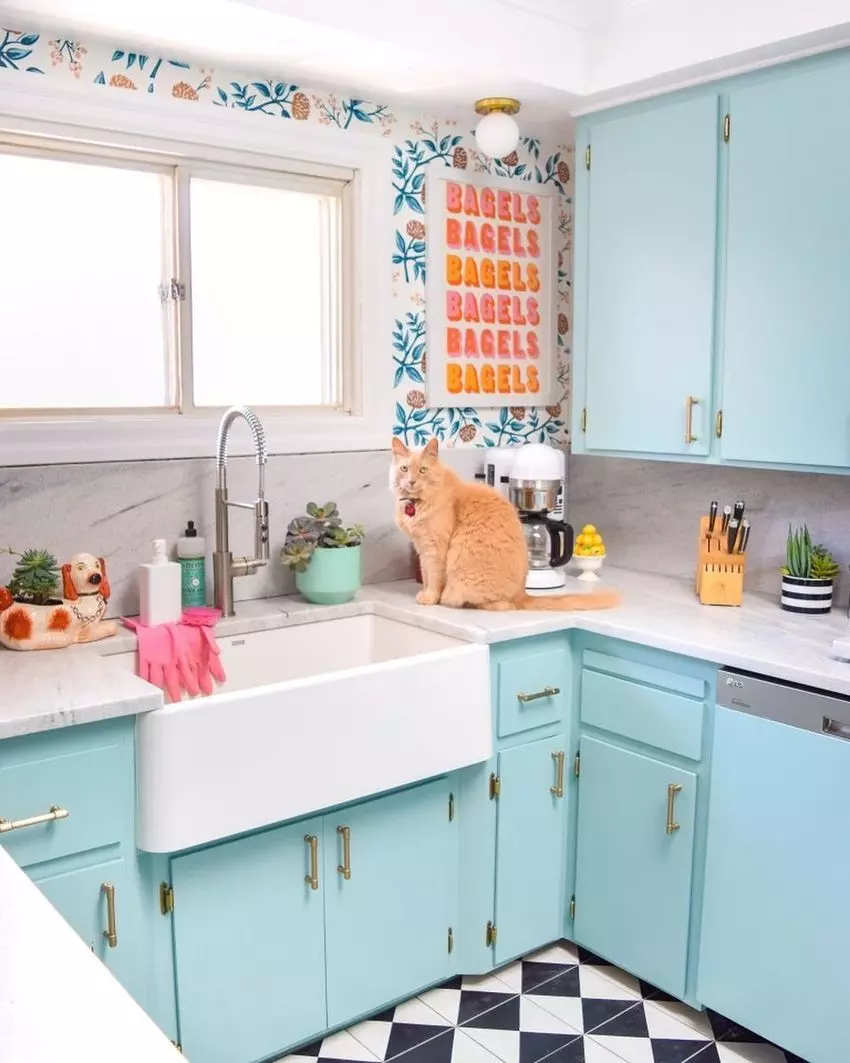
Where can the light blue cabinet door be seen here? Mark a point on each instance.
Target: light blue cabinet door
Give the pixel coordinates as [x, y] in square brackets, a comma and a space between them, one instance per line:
[650, 286]
[387, 922]
[633, 878]
[80, 899]
[776, 924]
[249, 946]
[786, 365]
[530, 841]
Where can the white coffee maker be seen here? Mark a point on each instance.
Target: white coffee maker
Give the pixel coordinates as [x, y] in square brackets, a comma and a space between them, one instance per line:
[536, 488]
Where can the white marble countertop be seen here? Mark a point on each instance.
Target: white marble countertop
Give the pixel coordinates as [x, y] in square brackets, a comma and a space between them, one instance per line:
[80, 685]
[44, 689]
[57, 1000]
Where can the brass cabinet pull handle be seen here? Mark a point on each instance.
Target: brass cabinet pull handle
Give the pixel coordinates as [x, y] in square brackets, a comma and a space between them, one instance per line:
[673, 789]
[33, 821]
[345, 867]
[546, 692]
[312, 879]
[558, 789]
[111, 932]
[690, 402]
[718, 424]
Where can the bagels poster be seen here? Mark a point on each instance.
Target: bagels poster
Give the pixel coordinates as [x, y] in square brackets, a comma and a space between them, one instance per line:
[491, 292]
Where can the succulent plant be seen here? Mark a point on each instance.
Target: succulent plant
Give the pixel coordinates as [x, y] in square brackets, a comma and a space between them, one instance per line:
[322, 527]
[803, 560]
[36, 576]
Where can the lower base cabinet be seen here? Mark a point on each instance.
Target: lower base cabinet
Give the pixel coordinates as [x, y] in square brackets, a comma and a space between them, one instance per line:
[82, 896]
[634, 862]
[387, 920]
[531, 839]
[248, 943]
[281, 935]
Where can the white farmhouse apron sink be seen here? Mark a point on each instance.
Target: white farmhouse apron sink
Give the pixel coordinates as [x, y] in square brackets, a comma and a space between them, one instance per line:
[310, 717]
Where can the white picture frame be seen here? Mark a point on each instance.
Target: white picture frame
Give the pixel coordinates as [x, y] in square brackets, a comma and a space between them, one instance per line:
[505, 341]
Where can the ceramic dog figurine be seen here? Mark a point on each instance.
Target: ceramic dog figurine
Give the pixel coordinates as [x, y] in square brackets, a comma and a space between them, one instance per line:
[78, 617]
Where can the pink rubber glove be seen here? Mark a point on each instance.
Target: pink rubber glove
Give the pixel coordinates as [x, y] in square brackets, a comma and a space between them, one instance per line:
[197, 636]
[162, 659]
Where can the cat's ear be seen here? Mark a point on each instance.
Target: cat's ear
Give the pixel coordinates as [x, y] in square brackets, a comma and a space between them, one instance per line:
[399, 449]
[431, 448]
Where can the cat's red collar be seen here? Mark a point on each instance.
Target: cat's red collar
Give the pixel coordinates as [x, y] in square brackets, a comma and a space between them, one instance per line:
[409, 508]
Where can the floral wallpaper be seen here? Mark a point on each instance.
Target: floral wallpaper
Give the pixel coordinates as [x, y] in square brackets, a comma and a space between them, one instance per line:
[418, 144]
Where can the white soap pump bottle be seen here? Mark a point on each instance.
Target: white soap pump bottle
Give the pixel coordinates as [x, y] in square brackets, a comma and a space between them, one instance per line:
[159, 589]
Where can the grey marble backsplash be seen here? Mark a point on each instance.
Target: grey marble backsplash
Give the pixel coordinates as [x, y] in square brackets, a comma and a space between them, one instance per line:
[646, 510]
[648, 513]
[116, 509]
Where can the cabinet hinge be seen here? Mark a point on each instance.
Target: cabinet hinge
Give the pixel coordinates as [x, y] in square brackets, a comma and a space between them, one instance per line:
[587, 157]
[577, 765]
[573, 906]
[490, 935]
[727, 127]
[166, 898]
[451, 942]
[584, 419]
[718, 424]
[495, 786]
[451, 807]
[173, 291]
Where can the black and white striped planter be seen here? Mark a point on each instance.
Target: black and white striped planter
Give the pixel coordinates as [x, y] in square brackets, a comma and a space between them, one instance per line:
[813, 597]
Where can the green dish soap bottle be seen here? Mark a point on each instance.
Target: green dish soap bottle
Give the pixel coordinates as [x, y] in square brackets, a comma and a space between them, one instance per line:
[192, 555]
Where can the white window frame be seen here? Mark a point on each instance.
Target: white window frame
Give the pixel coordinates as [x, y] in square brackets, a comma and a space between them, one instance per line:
[110, 118]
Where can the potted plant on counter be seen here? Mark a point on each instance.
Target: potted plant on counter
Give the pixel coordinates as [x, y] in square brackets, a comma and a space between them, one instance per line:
[324, 555]
[35, 579]
[808, 577]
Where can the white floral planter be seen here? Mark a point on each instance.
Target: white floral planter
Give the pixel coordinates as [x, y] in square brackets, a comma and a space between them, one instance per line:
[811, 597]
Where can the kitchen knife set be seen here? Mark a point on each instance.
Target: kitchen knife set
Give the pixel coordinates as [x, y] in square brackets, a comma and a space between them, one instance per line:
[722, 555]
[734, 527]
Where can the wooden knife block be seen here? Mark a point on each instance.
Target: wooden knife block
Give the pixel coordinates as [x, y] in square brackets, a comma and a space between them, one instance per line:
[719, 575]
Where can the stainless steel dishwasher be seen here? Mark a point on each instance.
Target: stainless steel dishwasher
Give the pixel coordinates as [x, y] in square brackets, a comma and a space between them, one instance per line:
[775, 941]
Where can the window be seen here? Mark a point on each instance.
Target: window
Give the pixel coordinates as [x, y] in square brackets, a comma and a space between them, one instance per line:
[156, 282]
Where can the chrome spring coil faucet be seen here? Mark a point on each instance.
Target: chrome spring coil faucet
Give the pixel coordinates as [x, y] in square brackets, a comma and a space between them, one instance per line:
[225, 566]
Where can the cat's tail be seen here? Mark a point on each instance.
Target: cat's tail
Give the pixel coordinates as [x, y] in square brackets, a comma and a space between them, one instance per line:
[605, 599]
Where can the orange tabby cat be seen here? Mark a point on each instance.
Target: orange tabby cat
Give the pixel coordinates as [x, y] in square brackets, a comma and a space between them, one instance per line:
[469, 539]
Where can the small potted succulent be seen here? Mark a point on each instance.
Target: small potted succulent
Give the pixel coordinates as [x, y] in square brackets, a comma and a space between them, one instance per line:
[35, 580]
[808, 576]
[324, 554]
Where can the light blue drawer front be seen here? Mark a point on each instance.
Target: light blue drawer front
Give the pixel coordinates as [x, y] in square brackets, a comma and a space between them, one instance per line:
[531, 674]
[95, 787]
[658, 718]
[690, 686]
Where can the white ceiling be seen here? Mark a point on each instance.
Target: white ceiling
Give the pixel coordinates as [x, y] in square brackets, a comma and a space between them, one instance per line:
[559, 57]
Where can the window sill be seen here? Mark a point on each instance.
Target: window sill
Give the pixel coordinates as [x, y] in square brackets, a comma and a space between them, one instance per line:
[164, 436]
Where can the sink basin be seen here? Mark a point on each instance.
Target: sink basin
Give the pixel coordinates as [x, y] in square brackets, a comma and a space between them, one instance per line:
[310, 717]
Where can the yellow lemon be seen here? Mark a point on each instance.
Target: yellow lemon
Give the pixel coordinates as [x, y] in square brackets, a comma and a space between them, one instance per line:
[597, 551]
[596, 540]
[588, 529]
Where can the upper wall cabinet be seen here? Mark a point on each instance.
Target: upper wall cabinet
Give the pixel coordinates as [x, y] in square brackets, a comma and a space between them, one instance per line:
[786, 350]
[712, 272]
[652, 197]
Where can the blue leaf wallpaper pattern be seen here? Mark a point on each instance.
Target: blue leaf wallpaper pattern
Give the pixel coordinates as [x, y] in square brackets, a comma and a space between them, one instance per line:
[418, 145]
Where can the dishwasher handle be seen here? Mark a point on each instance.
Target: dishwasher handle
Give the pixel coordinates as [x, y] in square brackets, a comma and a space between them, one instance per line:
[836, 728]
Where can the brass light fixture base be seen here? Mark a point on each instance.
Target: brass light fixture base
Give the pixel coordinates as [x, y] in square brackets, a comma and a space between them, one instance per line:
[493, 104]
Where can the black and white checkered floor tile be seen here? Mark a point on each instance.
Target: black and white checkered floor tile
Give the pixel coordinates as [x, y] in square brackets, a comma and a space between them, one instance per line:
[561, 1005]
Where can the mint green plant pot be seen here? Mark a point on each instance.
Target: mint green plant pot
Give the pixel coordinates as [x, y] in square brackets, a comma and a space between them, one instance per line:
[332, 577]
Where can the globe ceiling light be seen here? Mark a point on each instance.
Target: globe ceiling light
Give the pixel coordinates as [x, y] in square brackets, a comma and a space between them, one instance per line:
[497, 134]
